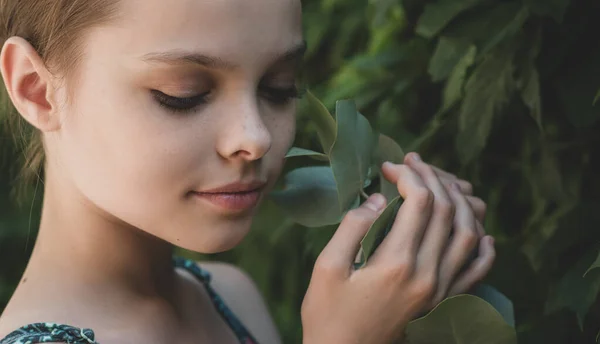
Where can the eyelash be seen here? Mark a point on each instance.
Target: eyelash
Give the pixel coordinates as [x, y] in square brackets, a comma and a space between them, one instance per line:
[275, 95]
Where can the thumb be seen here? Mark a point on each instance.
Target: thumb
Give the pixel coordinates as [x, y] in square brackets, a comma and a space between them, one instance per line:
[341, 250]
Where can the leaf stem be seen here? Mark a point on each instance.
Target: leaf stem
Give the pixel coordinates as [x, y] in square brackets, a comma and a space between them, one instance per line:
[364, 194]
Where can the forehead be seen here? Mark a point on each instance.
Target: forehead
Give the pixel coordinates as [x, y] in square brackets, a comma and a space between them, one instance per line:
[233, 29]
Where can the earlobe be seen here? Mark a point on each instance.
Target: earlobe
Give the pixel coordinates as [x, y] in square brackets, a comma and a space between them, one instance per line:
[29, 84]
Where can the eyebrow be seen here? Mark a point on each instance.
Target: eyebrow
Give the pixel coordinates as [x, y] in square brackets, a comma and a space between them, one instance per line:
[213, 62]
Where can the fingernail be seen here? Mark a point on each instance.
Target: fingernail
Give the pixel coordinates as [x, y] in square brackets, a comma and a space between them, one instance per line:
[388, 164]
[492, 241]
[375, 202]
[416, 157]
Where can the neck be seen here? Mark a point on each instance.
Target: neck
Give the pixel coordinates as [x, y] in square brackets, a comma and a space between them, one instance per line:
[78, 241]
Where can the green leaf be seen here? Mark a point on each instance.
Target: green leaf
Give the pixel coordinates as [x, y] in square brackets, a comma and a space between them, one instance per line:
[574, 292]
[351, 152]
[448, 53]
[530, 93]
[529, 81]
[453, 90]
[595, 265]
[490, 26]
[388, 150]
[498, 300]
[486, 92]
[322, 119]
[462, 319]
[596, 98]
[437, 15]
[549, 8]
[310, 197]
[379, 230]
[296, 151]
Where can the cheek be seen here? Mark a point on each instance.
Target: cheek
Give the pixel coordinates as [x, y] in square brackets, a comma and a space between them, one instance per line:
[130, 159]
[283, 131]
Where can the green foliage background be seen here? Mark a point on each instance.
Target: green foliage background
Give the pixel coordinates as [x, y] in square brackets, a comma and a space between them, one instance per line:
[500, 92]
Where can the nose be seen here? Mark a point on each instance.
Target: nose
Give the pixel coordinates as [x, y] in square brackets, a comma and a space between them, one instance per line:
[244, 135]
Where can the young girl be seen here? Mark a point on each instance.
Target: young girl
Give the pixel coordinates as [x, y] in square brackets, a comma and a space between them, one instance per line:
[165, 123]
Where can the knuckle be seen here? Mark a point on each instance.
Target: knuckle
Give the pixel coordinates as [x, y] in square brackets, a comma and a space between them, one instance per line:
[425, 287]
[326, 267]
[428, 171]
[446, 208]
[423, 197]
[360, 216]
[399, 270]
[468, 239]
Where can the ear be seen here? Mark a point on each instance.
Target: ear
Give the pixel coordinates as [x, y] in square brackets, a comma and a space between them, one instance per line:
[29, 84]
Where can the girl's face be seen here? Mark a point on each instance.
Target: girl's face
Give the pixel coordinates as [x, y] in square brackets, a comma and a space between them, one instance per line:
[175, 99]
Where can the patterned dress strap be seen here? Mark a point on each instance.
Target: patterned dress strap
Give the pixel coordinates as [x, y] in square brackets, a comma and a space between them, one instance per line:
[234, 323]
[49, 333]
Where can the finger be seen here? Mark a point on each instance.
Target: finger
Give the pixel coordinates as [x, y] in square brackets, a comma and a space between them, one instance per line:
[440, 223]
[464, 240]
[478, 269]
[477, 204]
[412, 157]
[412, 217]
[480, 229]
[479, 207]
[465, 187]
[343, 246]
[446, 177]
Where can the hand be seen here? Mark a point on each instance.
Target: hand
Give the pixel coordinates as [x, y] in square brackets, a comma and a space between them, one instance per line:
[463, 236]
[373, 304]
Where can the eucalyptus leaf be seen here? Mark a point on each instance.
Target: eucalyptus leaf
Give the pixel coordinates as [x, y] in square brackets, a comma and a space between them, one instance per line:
[388, 150]
[310, 197]
[498, 300]
[379, 230]
[596, 98]
[462, 319]
[296, 151]
[323, 121]
[351, 153]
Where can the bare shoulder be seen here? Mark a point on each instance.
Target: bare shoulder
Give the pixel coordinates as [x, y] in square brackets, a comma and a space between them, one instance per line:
[242, 296]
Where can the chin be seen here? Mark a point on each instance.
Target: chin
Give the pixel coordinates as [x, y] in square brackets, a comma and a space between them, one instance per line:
[217, 239]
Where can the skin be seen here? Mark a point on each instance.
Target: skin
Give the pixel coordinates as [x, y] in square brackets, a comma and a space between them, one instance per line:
[120, 168]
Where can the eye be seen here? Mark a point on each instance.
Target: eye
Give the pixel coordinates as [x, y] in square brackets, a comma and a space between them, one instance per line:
[280, 95]
[176, 104]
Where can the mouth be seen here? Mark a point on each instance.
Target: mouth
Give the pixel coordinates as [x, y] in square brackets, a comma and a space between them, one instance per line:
[235, 197]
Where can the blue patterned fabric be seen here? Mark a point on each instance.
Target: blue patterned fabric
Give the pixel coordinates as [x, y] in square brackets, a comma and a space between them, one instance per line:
[51, 332]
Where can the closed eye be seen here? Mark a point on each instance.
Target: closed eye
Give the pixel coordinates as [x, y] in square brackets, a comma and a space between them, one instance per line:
[177, 104]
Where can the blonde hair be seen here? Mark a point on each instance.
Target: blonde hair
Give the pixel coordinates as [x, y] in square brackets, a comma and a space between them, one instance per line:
[55, 29]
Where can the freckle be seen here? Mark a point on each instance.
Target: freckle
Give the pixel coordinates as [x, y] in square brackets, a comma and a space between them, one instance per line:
[177, 239]
[24, 280]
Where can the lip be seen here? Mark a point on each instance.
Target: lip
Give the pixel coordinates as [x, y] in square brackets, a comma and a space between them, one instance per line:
[235, 188]
[235, 197]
